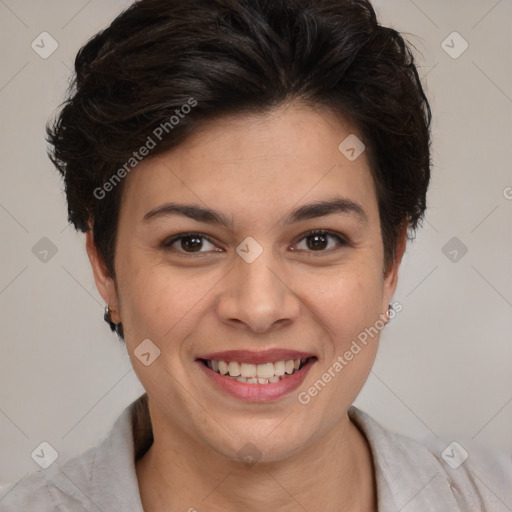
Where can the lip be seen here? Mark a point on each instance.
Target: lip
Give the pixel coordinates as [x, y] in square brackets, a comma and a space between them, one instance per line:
[256, 357]
[258, 392]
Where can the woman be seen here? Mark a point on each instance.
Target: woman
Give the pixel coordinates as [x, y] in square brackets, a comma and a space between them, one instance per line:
[247, 173]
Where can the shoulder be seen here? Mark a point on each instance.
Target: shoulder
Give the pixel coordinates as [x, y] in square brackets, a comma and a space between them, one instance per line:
[49, 489]
[26, 493]
[480, 475]
[103, 477]
[433, 475]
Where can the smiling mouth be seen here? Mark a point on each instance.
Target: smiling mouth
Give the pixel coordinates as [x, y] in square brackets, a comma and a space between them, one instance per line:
[266, 373]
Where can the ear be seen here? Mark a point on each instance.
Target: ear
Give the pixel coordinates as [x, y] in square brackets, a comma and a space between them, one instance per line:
[391, 276]
[104, 282]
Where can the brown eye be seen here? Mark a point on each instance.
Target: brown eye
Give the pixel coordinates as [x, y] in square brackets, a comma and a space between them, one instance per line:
[321, 241]
[187, 243]
[192, 243]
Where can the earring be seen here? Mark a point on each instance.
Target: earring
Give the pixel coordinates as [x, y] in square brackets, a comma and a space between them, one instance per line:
[107, 317]
[389, 312]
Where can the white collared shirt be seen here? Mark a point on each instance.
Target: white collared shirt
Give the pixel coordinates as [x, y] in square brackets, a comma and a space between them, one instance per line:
[410, 477]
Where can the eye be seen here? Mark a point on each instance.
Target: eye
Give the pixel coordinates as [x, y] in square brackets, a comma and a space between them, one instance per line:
[188, 243]
[318, 240]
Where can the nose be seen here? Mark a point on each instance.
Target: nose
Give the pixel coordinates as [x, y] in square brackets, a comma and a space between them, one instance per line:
[258, 295]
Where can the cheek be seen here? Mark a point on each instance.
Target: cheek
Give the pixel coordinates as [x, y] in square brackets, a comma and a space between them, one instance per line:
[348, 300]
[161, 303]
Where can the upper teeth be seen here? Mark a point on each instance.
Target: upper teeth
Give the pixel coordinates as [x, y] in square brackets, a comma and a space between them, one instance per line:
[260, 371]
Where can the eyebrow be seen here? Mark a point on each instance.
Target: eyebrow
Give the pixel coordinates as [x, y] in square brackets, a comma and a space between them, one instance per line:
[312, 210]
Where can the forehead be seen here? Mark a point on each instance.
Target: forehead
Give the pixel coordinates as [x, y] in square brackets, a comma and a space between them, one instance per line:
[254, 164]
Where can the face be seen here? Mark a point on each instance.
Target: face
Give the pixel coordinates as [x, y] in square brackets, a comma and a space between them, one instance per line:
[267, 275]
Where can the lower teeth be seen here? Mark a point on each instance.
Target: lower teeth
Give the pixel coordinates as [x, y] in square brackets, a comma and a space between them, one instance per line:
[254, 380]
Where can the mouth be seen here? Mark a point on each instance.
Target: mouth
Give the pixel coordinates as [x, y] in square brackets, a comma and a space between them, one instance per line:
[256, 376]
[249, 373]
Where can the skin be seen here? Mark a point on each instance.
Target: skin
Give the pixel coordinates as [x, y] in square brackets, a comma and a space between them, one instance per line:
[253, 169]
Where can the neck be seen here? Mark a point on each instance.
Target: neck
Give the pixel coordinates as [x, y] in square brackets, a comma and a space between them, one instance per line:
[335, 473]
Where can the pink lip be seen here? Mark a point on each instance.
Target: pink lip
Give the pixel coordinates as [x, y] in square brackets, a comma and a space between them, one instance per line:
[258, 392]
[256, 357]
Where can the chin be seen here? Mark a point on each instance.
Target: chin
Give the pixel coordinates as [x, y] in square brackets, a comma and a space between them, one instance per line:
[269, 442]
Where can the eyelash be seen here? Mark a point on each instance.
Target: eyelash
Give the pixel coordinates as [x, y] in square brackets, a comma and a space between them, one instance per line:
[166, 244]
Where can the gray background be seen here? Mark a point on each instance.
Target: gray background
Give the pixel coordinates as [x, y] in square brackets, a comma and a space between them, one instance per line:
[444, 367]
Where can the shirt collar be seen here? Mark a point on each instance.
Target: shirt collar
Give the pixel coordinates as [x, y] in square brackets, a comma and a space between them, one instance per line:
[408, 475]
[104, 477]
